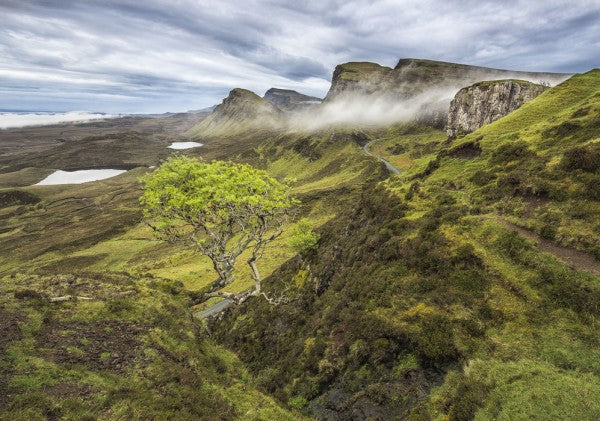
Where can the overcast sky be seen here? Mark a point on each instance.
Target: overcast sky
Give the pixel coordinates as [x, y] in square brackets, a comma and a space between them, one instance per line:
[154, 56]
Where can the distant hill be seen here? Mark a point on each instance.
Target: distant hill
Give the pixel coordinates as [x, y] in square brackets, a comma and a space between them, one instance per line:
[287, 99]
[240, 110]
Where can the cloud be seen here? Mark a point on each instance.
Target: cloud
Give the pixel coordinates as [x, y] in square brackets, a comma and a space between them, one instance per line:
[154, 56]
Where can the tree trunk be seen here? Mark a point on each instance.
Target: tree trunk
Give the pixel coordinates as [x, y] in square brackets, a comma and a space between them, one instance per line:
[255, 275]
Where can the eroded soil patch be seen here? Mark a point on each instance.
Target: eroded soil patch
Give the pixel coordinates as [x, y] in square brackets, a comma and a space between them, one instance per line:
[106, 345]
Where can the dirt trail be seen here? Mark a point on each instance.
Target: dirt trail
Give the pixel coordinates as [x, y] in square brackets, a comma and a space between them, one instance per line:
[575, 259]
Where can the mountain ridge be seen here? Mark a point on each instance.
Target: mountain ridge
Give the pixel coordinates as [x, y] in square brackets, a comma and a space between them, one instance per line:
[289, 99]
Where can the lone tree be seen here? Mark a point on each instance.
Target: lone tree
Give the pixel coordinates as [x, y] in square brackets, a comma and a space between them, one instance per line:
[220, 209]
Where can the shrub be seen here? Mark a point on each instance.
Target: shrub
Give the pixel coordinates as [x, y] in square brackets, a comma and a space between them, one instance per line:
[586, 158]
[414, 188]
[548, 232]
[469, 396]
[564, 129]
[591, 184]
[435, 341]
[511, 151]
[297, 402]
[512, 244]
[304, 238]
[382, 351]
[481, 177]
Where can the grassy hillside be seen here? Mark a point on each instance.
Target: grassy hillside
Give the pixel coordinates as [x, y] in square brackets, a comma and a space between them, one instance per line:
[126, 350]
[88, 240]
[433, 297]
[242, 112]
[447, 292]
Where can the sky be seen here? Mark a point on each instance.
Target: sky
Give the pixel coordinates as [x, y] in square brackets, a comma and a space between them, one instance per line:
[152, 56]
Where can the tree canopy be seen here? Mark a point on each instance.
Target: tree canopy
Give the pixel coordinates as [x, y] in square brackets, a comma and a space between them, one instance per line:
[218, 208]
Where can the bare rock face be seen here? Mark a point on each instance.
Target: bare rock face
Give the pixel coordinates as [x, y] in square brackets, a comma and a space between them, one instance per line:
[485, 102]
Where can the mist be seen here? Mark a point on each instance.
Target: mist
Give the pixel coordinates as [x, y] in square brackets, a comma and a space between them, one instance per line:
[370, 104]
[15, 120]
[373, 110]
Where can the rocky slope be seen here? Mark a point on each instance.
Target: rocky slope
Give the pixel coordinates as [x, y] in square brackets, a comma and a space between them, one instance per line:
[484, 102]
[287, 99]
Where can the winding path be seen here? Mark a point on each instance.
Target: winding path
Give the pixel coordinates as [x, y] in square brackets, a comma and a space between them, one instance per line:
[214, 309]
[575, 259]
[387, 163]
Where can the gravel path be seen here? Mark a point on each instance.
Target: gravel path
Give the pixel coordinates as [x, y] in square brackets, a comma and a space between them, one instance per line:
[387, 164]
[214, 309]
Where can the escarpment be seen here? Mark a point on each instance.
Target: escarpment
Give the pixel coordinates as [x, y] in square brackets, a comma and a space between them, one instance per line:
[485, 102]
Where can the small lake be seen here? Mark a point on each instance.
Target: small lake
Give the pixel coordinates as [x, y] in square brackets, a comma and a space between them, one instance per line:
[184, 145]
[78, 177]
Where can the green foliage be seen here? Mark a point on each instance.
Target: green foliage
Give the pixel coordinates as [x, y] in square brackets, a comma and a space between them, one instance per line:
[75, 360]
[220, 209]
[214, 195]
[303, 236]
[512, 244]
[586, 158]
[297, 402]
[435, 344]
[511, 151]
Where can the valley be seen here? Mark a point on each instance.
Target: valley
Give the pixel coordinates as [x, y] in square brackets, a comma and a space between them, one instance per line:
[455, 277]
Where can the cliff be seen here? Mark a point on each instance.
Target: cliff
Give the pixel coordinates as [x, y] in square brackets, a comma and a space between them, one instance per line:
[412, 77]
[484, 102]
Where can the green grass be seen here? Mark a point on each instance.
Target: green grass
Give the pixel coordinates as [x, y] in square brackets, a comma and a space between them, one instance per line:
[422, 265]
[357, 70]
[173, 372]
[418, 297]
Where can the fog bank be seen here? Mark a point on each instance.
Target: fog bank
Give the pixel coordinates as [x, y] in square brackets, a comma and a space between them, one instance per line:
[15, 120]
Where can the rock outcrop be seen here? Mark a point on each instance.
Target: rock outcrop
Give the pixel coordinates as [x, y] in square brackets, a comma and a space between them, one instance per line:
[289, 100]
[485, 102]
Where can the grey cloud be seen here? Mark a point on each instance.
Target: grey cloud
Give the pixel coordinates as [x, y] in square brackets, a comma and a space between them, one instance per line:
[153, 56]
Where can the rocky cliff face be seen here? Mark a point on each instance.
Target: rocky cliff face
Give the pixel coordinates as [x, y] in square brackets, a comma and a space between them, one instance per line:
[484, 102]
[289, 100]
